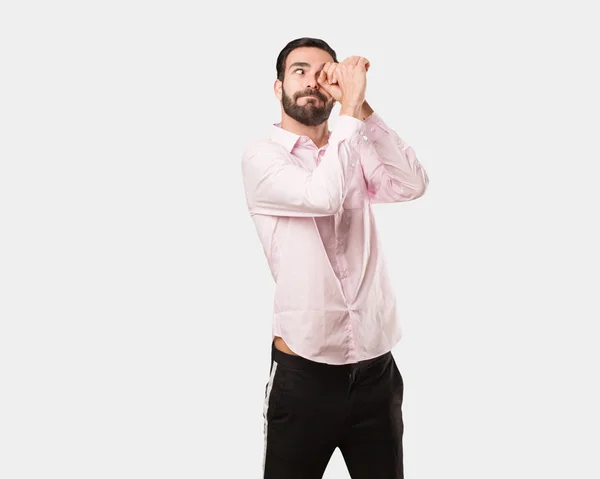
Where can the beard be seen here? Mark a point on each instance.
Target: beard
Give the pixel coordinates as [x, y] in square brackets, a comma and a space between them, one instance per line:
[309, 114]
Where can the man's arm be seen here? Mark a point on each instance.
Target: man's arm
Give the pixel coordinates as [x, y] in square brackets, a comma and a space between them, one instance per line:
[275, 186]
[390, 166]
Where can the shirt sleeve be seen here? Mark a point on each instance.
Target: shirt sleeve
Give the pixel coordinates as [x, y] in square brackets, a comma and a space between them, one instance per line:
[390, 166]
[274, 185]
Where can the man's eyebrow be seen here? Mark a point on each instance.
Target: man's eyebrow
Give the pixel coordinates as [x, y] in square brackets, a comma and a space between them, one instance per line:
[299, 64]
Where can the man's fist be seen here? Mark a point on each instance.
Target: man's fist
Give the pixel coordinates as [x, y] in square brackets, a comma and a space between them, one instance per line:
[345, 81]
[354, 61]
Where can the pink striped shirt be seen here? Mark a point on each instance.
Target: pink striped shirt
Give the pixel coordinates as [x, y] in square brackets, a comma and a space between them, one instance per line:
[312, 210]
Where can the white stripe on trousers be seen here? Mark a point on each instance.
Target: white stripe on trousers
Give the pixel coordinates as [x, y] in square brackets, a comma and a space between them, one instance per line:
[265, 410]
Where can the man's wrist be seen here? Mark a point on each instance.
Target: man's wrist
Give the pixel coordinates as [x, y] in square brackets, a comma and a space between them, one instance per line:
[352, 110]
[365, 110]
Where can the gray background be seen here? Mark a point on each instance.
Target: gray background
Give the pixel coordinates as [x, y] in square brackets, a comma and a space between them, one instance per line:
[135, 301]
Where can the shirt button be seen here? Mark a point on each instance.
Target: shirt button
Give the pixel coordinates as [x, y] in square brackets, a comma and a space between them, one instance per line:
[372, 128]
[365, 137]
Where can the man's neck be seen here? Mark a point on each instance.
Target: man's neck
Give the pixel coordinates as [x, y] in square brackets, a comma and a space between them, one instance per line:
[318, 134]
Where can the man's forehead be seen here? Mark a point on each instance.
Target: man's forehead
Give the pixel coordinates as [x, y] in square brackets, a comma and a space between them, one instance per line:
[309, 56]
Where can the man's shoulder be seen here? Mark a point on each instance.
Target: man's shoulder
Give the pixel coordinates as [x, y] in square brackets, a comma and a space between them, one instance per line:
[260, 146]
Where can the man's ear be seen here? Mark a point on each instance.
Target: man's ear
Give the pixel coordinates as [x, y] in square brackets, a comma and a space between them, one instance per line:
[277, 89]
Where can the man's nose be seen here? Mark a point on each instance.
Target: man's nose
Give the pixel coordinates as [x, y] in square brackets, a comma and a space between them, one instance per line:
[312, 83]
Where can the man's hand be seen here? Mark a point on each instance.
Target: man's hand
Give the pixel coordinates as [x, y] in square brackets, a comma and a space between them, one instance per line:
[328, 81]
[346, 82]
[354, 61]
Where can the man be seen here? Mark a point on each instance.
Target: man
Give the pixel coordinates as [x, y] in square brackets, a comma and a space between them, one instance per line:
[333, 380]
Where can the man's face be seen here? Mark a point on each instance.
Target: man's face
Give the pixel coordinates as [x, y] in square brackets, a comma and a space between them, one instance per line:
[302, 97]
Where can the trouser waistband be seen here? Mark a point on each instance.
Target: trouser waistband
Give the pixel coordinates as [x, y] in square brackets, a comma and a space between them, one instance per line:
[298, 362]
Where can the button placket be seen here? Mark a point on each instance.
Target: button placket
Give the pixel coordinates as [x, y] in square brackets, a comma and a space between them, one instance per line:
[320, 156]
[342, 265]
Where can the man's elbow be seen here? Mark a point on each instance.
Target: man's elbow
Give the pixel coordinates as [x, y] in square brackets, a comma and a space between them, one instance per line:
[420, 187]
[409, 191]
[332, 206]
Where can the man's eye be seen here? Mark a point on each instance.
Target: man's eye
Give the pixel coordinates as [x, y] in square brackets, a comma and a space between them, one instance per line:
[299, 70]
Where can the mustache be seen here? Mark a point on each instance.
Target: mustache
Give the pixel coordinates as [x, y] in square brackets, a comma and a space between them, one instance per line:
[315, 93]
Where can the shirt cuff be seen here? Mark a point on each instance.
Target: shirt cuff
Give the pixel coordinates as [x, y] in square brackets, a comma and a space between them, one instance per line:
[375, 127]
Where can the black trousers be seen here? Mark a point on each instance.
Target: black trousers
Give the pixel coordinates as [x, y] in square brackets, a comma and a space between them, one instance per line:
[311, 408]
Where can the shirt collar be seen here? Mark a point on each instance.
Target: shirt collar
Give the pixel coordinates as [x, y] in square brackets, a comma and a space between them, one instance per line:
[286, 138]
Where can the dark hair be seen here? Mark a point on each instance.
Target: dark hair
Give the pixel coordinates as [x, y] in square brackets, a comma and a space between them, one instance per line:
[300, 42]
